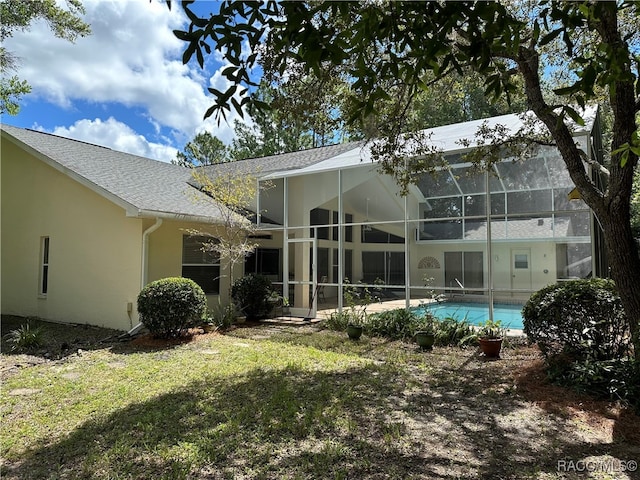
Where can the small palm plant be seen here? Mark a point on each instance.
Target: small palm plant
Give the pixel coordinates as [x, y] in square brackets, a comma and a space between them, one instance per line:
[25, 338]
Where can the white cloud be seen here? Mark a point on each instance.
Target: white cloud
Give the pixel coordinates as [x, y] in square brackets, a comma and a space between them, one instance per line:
[132, 58]
[118, 136]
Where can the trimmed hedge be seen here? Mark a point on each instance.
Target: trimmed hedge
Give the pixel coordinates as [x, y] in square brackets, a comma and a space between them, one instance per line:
[579, 318]
[170, 306]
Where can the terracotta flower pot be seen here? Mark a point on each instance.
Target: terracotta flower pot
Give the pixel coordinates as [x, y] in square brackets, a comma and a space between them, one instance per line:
[490, 346]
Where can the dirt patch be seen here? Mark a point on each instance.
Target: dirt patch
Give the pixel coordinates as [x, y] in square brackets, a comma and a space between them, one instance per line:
[610, 420]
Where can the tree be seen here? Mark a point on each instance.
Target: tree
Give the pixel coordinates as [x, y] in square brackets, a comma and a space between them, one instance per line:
[204, 149]
[405, 45]
[275, 130]
[231, 193]
[19, 15]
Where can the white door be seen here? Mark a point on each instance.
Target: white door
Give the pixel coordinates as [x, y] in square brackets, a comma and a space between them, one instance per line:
[521, 269]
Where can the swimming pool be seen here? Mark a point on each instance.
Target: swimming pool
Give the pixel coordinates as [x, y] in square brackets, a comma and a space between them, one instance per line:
[476, 313]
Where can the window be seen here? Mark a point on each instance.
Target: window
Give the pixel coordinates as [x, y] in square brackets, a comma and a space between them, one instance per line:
[265, 261]
[201, 266]
[521, 260]
[348, 265]
[320, 216]
[44, 266]
[385, 266]
[373, 235]
[348, 231]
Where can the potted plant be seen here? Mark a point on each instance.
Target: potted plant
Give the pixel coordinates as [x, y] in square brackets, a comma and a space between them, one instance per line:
[286, 307]
[490, 336]
[425, 333]
[354, 330]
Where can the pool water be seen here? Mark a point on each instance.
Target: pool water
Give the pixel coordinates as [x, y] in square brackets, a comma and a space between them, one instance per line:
[477, 313]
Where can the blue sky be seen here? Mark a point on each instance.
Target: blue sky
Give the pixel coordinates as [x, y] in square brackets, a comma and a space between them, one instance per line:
[123, 87]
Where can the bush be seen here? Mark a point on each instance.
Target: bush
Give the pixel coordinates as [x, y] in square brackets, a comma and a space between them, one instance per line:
[170, 306]
[339, 320]
[25, 338]
[252, 295]
[579, 318]
[398, 324]
[616, 379]
[453, 332]
[222, 316]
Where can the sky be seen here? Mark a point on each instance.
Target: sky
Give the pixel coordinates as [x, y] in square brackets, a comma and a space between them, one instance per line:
[124, 86]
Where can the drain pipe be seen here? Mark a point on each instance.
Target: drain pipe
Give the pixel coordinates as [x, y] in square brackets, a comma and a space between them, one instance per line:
[143, 267]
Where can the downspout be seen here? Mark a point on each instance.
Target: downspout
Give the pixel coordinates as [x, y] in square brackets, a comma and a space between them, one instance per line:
[144, 265]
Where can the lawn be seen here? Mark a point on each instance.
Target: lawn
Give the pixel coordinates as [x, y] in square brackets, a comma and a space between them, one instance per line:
[285, 402]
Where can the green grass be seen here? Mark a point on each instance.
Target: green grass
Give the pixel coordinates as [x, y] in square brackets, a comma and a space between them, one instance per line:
[290, 404]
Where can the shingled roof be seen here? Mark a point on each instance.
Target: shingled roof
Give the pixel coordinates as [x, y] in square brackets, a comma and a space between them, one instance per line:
[283, 161]
[145, 187]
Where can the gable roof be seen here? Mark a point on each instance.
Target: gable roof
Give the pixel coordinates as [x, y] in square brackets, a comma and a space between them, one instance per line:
[143, 187]
[283, 161]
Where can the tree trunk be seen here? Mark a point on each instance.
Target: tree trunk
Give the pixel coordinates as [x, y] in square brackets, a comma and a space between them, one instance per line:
[612, 207]
[624, 261]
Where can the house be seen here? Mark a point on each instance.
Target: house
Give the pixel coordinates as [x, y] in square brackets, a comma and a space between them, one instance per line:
[85, 227]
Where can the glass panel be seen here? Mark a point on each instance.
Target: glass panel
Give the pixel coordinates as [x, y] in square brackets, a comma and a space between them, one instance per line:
[45, 248]
[475, 230]
[524, 174]
[573, 260]
[442, 207]
[523, 228]
[475, 205]
[193, 253]
[348, 231]
[498, 203]
[45, 279]
[561, 200]
[573, 224]
[521, 260]
[529, 201]
[207, 276]
[380, 234]
[473, 270]
[440, 184]
[557, 169]
[348, 265]
[265, 261]
[272, 201]
[470, 180]
[384, 268]
[498, 229]
[320, 216]
[441, 230]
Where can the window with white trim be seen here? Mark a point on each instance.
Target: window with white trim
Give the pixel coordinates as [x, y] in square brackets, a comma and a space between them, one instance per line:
[44, 266]
[200, 264]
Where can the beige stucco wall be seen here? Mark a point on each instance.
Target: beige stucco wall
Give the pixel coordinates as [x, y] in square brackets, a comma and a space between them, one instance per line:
[165, 255]
[95, 250]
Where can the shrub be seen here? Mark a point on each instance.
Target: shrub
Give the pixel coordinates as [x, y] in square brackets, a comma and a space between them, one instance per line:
[339, 320]
[25, 338]
[222, 316]
[170, 306]
[252, 295]
[580, 318]
[398, 324]
[453, 332]
[616, 379]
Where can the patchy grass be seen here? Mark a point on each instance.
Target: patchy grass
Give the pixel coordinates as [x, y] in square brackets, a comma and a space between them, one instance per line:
[277, 402]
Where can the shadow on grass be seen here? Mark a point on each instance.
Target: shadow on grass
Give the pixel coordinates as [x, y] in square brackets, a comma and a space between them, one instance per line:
[366, 422]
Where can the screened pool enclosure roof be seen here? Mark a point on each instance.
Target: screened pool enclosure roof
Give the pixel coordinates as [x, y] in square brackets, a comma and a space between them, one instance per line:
[447, 139]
